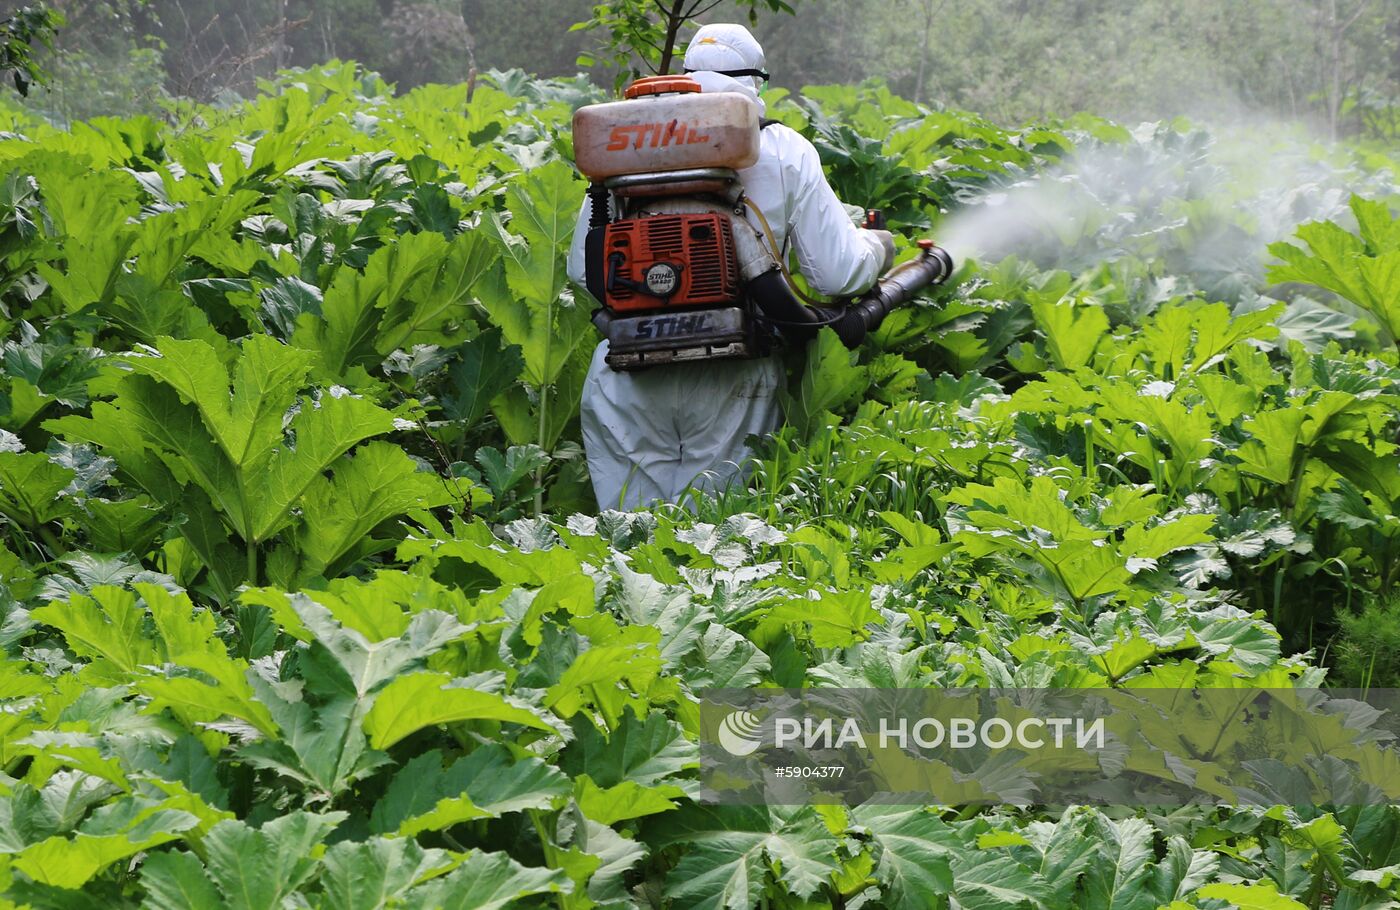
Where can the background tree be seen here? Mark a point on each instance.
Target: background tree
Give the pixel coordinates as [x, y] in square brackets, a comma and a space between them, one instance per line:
[1334, 64]
[647, 30]
[19, 33]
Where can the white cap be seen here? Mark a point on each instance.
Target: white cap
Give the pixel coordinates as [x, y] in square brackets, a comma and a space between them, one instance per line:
[729, 49]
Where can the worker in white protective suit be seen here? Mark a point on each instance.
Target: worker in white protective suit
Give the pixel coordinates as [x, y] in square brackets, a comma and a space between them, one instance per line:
[650, 435]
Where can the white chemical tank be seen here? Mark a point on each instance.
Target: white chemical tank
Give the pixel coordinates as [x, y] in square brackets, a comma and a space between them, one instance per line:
[665, 124]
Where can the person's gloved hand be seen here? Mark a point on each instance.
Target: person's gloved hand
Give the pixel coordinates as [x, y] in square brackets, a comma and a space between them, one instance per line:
[887, 240]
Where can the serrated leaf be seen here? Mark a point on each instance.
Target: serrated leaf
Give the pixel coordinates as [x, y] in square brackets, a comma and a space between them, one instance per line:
[1063, 851]
[915, 847]
[418, 700]
[1072, 330]
[107, 625]
[486, 367]
[1000, 884]
[724, 659]
[731, 847]
[354, 305]
[623, 801]
[489, 881]
[30, 489]
[1121, 879]
[71, 863]
[176, 881]
[424, 795]
[526, 297]
[231, 694]
[1263, 896]
[354, 666]
[830, 378]
[616, 854]
[257, 868]
[321, 746]
[378, 482]
[377, 873]
[645, 751]
[323, 433]
[247, 421]
[1182, 871]
[610, 677]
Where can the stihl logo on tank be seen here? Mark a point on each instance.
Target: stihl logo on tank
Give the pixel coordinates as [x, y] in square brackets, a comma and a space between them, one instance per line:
[655, 135]
[671, 326]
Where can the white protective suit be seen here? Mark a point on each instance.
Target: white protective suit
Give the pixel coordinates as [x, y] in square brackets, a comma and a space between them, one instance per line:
[651, 434]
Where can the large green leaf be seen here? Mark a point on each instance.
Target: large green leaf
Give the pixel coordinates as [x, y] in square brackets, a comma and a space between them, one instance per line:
[486, 367]
[644, 751]
[246, 421]
[346, 333]
[425, 795]
[441, 299]
[609, 677]
[1121, 879]
[912, 857]
[1072, 330]
[110, 625]
[229, 440]
[378, 482]
[176, 881]
[1364, 269]
[107, 625]
[258, 868]
[324, 432]
[489, 881]
[528, 299]
[126, 830]
[342, 661]
[230, 694]
[376, 873]
[627, 800]
[731, 850]
[1262, 896]
[320, 746]
[830, 379]
[1182, 871]
[30, 489]
[417, 700]
[999, 884]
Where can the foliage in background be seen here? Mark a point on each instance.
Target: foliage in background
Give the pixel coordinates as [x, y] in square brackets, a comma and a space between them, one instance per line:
[1332, 64]
[646, 33]
[20, 33]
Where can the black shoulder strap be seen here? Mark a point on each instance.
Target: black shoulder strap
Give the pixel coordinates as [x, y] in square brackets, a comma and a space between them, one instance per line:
[764, 122]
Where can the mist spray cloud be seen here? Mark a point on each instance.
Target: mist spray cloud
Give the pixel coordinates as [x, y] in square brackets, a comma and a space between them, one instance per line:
[1209, 204]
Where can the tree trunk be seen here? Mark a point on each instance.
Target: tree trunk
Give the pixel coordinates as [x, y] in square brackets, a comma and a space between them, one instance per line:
[280, 57]
[1334, 75]
[923, 52]
[674, 19]
[471, 50]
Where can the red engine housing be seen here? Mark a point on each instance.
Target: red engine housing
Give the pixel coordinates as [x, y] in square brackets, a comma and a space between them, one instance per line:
[666, 261]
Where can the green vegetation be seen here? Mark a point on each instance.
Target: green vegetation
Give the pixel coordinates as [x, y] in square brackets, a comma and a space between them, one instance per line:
[304, 601]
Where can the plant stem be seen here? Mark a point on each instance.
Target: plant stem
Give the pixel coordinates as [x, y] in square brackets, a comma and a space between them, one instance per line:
[539, 472]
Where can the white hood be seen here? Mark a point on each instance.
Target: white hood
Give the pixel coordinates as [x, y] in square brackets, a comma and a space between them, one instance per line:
[725, 47]
[717, 82]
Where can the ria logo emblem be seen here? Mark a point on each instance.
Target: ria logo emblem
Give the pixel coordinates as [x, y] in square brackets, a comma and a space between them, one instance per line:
[739, 733]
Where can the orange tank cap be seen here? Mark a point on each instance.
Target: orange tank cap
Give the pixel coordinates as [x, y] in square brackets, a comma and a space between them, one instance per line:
[660, 85]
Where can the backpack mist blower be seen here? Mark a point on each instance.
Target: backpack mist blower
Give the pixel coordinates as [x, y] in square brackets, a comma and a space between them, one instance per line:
[680, 272]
